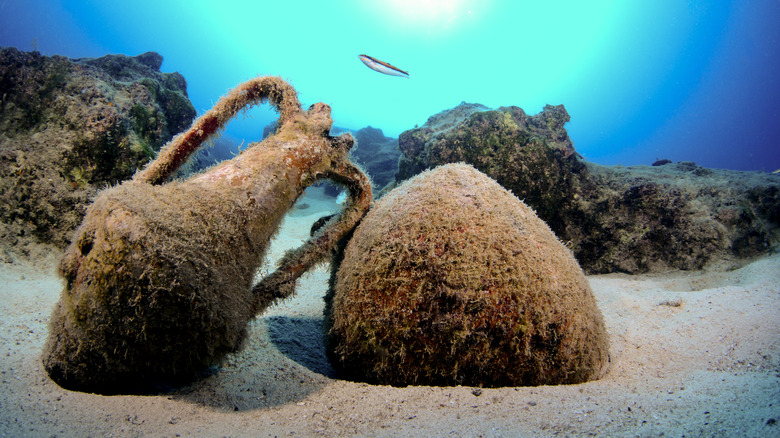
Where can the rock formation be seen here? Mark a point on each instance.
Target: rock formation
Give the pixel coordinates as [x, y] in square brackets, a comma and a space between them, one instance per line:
[69, 127]
[616, 219]
[378, 155]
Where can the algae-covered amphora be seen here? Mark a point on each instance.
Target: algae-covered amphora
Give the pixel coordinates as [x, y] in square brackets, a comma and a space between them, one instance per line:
[452, 280]
[159, 276]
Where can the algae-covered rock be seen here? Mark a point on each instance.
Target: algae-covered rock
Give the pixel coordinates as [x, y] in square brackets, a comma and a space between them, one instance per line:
[530, 156]
[450, 279]
[69, 127]
[676, 216]
[637, 219]
[413, 142]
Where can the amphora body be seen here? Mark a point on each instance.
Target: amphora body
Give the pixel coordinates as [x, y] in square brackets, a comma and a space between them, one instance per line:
[159, 277]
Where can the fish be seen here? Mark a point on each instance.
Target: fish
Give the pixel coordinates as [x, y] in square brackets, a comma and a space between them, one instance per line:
[383, 67]
[776, 171]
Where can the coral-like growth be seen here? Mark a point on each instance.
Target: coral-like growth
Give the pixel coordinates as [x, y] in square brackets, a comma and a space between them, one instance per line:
[450, 279]
[159, 276]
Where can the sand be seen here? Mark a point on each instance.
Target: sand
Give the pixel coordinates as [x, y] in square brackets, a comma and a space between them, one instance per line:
[692, 354]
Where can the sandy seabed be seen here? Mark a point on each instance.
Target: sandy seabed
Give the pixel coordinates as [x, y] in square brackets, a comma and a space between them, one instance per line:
[692, 354]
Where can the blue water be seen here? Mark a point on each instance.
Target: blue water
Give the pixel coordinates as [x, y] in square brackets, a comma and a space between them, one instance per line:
[688, 81]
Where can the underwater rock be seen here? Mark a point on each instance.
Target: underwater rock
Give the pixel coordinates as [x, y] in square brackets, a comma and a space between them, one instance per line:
[676, 216]
[414, 143]
[69, 127]
[451, 280]
[159, 277]
[616, 219]
[530, 156]
[378, 155]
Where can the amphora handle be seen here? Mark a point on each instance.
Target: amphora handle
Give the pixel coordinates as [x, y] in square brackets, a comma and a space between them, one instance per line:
[281, 283]
[274, 90]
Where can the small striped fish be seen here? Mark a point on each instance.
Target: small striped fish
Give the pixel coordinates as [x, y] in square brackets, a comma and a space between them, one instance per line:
[382, 67]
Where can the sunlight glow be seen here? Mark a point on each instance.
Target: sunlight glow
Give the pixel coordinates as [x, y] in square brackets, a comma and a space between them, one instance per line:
[427, 10]
[430, 16]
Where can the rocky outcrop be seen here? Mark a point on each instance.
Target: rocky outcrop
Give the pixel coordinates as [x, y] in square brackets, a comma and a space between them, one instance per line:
[377, 154]
[615, 219]
[415, 156]
[677, 216]
[69, 127]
